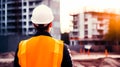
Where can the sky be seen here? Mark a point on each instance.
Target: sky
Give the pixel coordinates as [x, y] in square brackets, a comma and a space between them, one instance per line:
[75, 6]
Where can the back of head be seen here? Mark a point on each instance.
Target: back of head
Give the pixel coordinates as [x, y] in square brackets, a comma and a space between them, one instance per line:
[42, 14]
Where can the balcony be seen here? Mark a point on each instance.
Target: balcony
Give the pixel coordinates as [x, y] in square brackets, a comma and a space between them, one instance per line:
[74, 38]
[97, 37]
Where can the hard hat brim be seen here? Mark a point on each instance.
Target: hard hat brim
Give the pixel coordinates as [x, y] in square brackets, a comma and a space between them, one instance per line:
[38, 22]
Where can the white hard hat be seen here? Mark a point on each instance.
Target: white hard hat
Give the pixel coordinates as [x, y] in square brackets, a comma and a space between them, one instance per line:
[42, 14]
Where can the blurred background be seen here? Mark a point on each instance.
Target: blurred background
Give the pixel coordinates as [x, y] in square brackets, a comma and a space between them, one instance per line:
[82, 24]
[78, 23]
[91, 22]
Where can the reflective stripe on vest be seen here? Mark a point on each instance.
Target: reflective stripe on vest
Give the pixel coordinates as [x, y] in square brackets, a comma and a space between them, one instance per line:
[40, 51]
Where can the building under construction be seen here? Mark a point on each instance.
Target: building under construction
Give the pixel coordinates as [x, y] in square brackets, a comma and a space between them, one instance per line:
[15, 16]
[90, 27]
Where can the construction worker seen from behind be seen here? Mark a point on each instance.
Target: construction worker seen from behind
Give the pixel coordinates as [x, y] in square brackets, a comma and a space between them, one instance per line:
[42, 50]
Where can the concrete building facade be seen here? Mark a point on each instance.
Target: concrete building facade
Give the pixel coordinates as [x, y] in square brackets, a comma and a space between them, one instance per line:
[15, 16]
[89, 27]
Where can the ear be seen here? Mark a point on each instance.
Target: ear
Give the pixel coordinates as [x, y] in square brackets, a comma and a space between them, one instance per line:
[35, 25]
[50, 25]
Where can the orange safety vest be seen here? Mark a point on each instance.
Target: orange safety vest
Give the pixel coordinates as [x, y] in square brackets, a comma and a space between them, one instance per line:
[40, 51]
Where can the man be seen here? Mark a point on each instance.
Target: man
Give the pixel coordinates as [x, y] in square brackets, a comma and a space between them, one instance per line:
[42, 50]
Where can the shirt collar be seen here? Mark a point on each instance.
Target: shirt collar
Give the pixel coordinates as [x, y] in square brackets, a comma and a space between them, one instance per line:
[42, 33]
